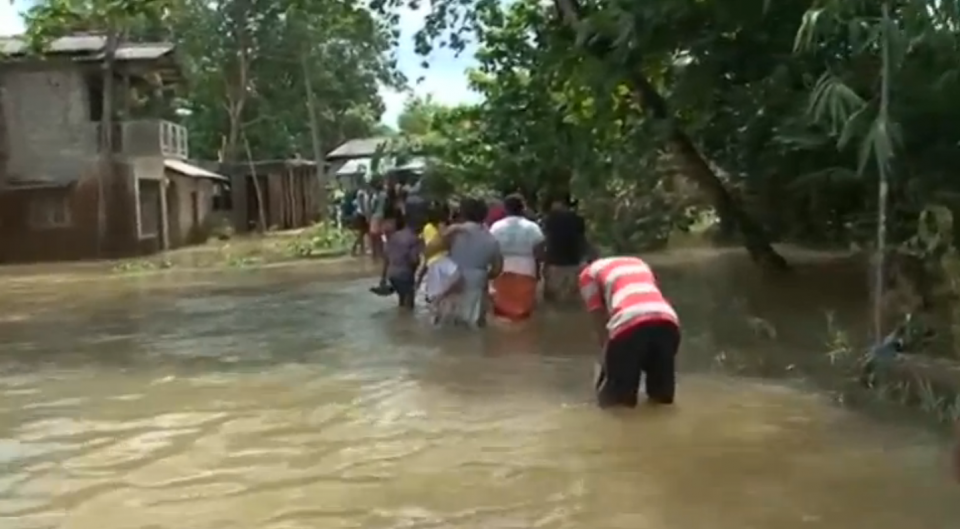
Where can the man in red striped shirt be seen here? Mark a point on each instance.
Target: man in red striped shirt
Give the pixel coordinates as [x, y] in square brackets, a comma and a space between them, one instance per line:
[638, 330]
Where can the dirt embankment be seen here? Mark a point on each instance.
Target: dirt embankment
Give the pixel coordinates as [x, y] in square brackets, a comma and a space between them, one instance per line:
[822, 286]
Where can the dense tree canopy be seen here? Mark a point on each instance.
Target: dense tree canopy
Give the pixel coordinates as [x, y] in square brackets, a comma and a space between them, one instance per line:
[781, 115]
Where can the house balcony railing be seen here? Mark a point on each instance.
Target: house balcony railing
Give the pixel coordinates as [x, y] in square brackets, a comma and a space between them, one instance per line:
[150, 137]
[173, 140]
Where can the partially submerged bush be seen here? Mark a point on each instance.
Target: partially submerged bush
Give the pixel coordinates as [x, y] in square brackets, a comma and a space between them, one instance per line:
[323, 238]
[142, 265]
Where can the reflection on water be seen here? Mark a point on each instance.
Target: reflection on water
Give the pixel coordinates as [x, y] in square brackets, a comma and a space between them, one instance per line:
[278, 400]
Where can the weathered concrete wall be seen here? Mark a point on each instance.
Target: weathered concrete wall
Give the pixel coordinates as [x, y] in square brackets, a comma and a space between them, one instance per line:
[183, 193]
[47, 118]
[22, 241]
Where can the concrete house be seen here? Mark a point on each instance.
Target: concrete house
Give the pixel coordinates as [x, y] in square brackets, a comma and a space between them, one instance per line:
[50, 170]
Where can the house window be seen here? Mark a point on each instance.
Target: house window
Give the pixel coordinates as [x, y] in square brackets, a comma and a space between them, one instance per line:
[222, 199]
[50, 211]
[94, 84]
[149, 208]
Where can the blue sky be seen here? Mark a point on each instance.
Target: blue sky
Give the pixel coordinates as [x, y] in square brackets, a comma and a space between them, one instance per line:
[445, 80]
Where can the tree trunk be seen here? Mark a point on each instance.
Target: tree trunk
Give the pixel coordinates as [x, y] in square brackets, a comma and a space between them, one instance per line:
[236, 77]
[697, 169]
[261, 212]
[318, 155]
[682, 146]
[105, 175]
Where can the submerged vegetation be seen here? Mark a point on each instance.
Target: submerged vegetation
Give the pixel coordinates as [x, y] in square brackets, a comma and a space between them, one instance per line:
[322, 240]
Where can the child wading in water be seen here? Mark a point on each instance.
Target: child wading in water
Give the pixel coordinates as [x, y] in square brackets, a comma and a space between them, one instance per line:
[402, 257]
[438, 276]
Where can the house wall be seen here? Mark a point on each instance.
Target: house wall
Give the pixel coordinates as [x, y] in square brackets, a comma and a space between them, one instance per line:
[47, 119]
[291, 198]
[21, 240]
[313, 196]
[184, 228]
[148, 172]
[241, 197]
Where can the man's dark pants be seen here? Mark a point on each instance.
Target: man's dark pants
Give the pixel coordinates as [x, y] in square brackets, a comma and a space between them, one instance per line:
[405, 288]
[645, 352]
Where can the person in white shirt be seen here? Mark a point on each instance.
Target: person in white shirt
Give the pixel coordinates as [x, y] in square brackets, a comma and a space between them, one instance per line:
[521, 243]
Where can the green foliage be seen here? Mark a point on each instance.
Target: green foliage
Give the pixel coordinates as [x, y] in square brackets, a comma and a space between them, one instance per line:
[320, 240]
[418, 116]
[338, 47]
[49, 19]
[140, 266]
[548, 123]
[784, 100]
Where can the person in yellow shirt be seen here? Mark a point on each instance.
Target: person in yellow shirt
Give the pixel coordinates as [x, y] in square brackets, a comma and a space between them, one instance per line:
[438, 274]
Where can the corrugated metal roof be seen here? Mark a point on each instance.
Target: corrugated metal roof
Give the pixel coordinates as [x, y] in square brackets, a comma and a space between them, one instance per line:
[358, 148]
[415, 164]
[69, 44]
[18, 184]
[91, 45]
[187, 169]
[354, 166]
[143, 52]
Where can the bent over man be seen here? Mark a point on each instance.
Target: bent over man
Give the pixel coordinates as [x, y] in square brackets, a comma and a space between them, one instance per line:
[638, 329]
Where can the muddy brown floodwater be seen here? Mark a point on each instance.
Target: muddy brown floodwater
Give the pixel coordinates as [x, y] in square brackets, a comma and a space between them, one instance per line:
[292, 398]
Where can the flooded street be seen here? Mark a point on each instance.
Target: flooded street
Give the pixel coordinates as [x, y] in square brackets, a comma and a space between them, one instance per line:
[293, 398]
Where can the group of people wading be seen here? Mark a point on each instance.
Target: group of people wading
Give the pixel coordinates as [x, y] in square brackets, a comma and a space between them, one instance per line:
[485, 257]
[491, 257]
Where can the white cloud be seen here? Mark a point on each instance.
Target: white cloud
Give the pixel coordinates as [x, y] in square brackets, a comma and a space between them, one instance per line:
[11, 23]
[445, 80]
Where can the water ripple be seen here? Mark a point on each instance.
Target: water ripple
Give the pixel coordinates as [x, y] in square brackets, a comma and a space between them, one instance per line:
[299, 404]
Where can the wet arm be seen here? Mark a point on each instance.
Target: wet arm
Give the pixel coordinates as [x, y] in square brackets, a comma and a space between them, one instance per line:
[598, 319]
[590, 291]
[496, 263]
[540, 251]
[416, 251]
[540, 256]
[421, 272]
